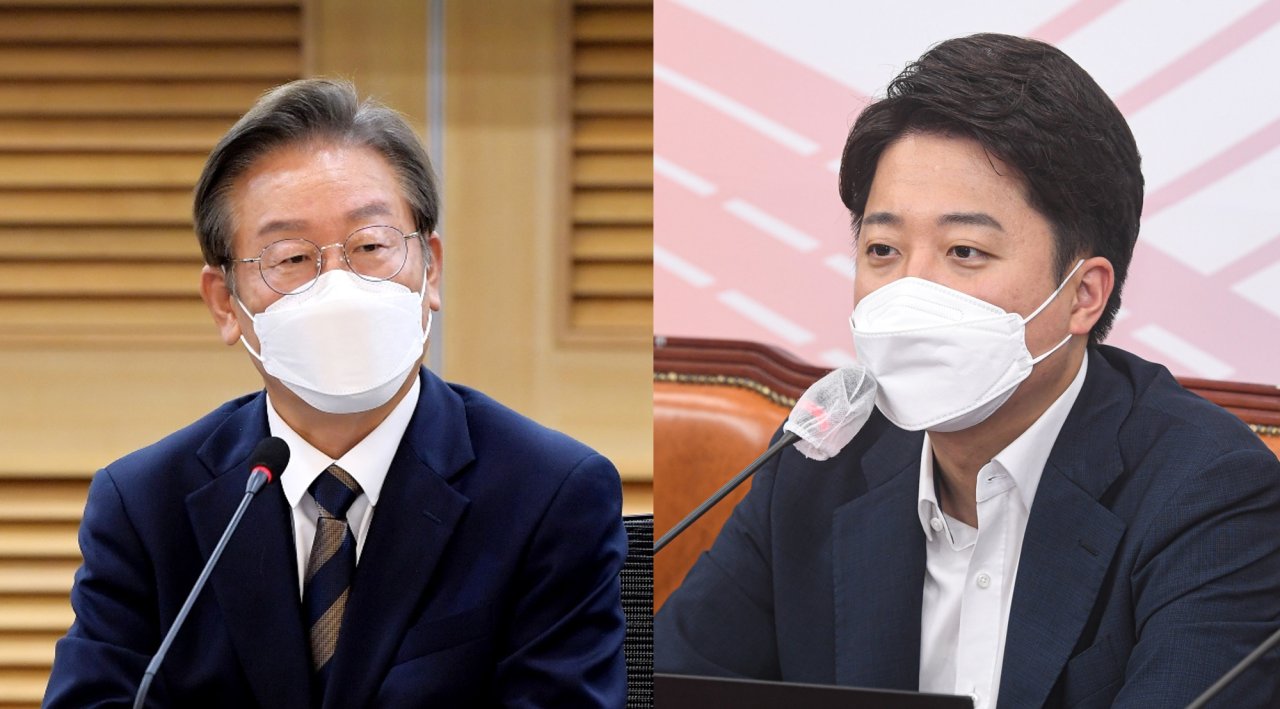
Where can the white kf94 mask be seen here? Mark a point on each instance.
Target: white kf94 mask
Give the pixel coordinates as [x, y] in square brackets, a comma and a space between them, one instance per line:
[345, 344]
[943, 360]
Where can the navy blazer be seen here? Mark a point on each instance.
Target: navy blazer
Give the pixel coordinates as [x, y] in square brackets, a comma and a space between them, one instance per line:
[1150, 565]
[489, 575]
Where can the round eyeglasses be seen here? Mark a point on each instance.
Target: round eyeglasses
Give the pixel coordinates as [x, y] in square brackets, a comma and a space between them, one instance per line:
[374, 253]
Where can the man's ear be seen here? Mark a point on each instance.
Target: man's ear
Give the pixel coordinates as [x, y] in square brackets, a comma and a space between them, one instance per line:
[217, 296]
[1090, 296]
[435, 267]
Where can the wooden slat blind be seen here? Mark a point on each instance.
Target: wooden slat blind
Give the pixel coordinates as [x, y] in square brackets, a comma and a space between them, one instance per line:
[107, 111]
[611, 278]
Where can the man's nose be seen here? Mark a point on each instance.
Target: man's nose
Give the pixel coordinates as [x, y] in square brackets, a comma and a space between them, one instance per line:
[921, 265]
[333, 257]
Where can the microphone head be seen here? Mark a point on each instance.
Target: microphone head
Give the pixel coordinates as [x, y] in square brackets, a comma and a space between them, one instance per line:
[832, 411]
[271, 456]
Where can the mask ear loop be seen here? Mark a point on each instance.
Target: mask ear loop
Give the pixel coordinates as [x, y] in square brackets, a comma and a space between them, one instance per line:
[1055, 348]
[244, 341]
[1054, 294]
[248, 314]
[1036, 360]
[422, 292]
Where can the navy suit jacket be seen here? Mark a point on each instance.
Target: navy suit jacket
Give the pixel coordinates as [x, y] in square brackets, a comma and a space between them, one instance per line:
[1150, 565]
[489, 575]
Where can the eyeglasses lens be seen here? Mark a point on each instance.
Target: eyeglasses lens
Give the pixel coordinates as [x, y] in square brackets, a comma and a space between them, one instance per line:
[373, 253]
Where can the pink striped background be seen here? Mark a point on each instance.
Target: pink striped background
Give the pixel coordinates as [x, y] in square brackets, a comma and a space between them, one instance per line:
[753, 99]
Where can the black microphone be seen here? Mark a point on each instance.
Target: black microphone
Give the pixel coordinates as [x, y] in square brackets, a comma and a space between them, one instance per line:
[827, 416]
[1236, 671]
[267, 462]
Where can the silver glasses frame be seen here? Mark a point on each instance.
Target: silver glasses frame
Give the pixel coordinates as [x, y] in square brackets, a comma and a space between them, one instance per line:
[346, 258]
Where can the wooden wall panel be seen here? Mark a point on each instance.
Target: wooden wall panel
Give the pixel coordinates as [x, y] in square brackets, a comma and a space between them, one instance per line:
[130, 98]
[87, 170]
[124, 22]
[518, 164]
[28, 242]
[118, 133]
[180, 62]
[611, 180]
[107, 110]
[607, 242]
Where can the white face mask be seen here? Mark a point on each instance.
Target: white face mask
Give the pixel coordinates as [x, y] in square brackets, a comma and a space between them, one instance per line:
[944, 360]
[345, 344]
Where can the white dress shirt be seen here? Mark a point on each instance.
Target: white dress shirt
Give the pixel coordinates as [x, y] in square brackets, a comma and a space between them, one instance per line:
[970, 573]
[367, 462]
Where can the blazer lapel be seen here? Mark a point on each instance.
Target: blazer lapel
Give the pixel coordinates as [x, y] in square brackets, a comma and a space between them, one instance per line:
[416, 515]
[256, 582]
[1069, 542]
[879, 556]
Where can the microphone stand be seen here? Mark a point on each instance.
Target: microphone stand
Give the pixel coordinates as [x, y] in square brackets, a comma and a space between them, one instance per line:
[787, 439]
[256, 480]
[1234, 672]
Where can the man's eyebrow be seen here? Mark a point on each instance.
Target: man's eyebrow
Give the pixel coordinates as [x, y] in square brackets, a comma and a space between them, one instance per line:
[881, 219]
[373, 209]
[970, 219]
[283, 225]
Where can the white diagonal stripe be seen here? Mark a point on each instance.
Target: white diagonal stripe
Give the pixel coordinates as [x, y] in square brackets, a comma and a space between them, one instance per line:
[1183, 25]
[764, 317]
[1235, 226]
[743, 114]
[681, 269]
[685, 178]
[771, 225]
[1196, 360]
[841, 264]
[816, 33]
[1262, 288]
[1188, 125]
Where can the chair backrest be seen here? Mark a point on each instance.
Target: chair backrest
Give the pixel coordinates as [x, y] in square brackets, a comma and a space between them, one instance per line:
[716, 404]
[637, 606]
[1256, 404]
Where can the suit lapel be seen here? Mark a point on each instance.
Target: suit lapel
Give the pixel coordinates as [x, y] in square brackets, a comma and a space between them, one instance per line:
[879, 557]
[416, 515]
[1069, 542]
[256, 582]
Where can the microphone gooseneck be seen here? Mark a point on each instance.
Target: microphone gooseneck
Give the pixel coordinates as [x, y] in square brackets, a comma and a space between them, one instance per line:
[827, 416]
[1236, 671]
[785, 440]
[268, 460]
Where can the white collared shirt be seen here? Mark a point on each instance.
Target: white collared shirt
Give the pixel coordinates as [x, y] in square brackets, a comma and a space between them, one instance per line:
[367, 462]
[970, 573]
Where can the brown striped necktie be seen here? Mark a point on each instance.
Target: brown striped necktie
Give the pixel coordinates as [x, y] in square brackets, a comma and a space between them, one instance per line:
[330, 568]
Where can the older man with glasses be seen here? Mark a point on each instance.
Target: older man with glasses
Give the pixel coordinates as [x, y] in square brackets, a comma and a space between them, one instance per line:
[425, 546]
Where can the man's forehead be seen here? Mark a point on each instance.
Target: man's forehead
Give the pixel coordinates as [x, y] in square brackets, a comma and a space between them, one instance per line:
[367, 185]
[370, 210]
[954, 179]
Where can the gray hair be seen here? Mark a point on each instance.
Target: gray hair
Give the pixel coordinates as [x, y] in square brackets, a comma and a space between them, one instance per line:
[296, 113]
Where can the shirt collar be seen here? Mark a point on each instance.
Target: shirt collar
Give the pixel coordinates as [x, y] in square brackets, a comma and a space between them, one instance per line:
[367, 462]
[927, 498]
[1024, 458]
